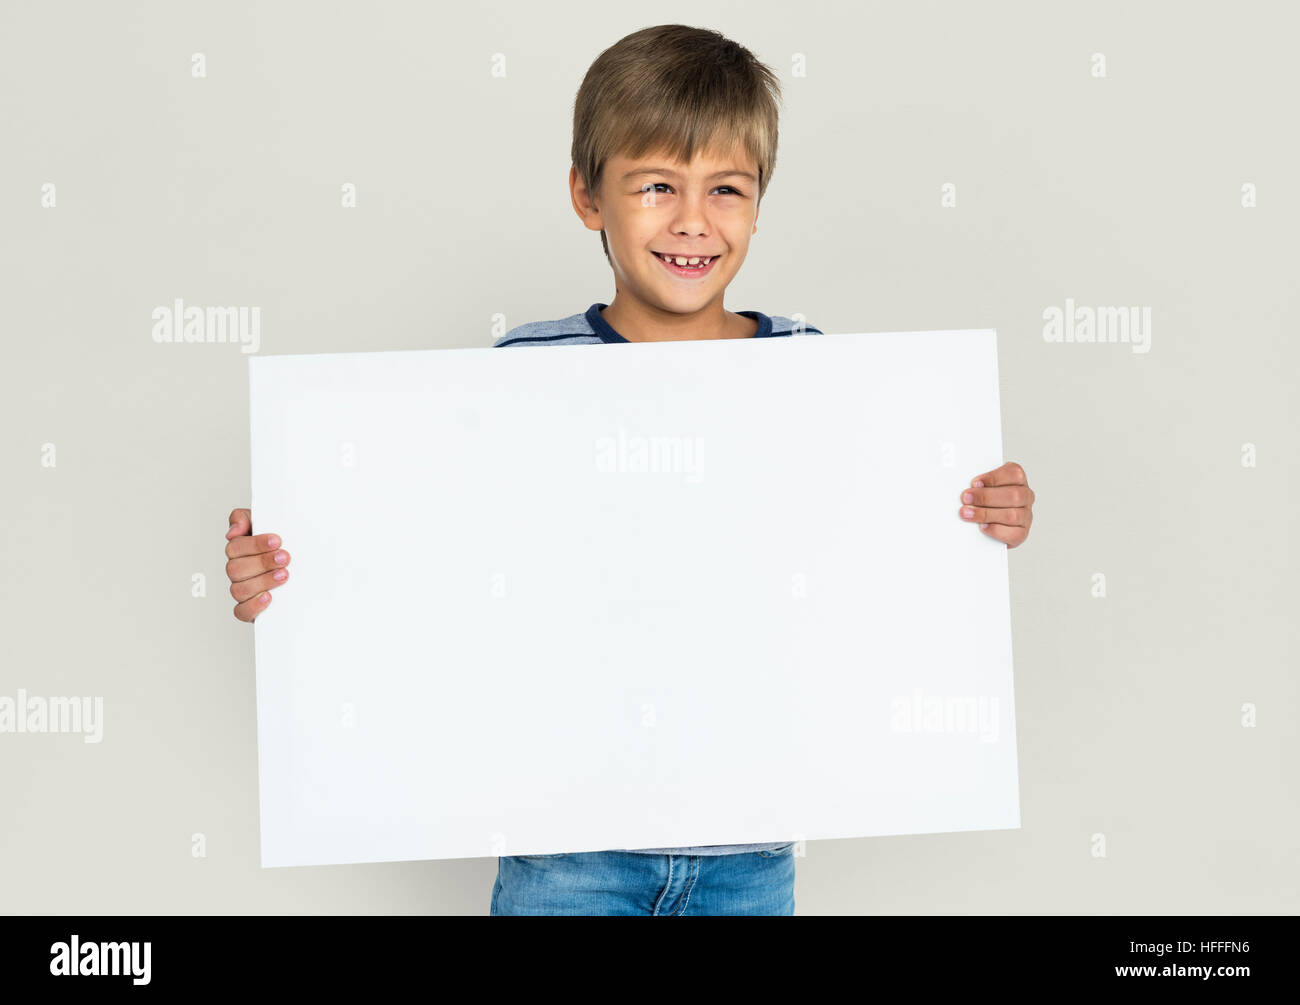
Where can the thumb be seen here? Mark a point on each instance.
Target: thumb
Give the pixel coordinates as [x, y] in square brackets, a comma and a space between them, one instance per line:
[241, 523]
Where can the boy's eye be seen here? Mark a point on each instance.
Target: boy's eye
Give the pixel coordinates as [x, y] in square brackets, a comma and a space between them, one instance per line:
[649, 186]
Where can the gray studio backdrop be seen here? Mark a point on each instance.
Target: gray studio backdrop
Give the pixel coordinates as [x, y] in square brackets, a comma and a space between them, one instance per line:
[951, 165]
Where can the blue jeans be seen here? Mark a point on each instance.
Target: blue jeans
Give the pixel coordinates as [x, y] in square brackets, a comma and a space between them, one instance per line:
[624, 882]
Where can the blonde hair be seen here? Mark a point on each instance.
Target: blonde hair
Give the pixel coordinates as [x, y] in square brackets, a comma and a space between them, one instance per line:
[679, 90]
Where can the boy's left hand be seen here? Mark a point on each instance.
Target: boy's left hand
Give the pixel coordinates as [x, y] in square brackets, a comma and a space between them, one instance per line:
[1001, 502]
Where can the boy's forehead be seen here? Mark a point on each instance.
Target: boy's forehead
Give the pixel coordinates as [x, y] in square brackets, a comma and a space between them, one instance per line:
[704, 162]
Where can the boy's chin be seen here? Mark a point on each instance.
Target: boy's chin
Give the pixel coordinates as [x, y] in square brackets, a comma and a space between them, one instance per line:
[682, 302]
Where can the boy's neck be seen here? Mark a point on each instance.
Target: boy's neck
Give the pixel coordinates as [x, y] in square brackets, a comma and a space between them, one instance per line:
[639, 322]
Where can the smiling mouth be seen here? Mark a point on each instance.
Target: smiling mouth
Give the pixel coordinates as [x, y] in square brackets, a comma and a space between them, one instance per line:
[688, 266]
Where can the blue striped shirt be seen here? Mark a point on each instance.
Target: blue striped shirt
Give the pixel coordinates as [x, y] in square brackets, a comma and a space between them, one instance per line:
[590, 328]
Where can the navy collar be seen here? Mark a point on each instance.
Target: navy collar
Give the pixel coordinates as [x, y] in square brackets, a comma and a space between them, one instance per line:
[606, 332]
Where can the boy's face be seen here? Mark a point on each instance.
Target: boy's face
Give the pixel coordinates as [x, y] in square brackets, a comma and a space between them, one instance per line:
[652, 206]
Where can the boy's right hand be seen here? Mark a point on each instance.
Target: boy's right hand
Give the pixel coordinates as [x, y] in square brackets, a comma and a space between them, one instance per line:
[256, 565]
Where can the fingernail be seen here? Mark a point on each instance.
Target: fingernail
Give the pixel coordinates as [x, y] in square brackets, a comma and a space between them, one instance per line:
[983, 525]
[281, 557]
[265, 598]
[966, 511]
[273, 542]
[979, 484]
[279, 575]
[967, 497]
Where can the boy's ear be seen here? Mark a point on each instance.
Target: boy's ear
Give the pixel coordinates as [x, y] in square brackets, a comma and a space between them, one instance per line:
[583, 203]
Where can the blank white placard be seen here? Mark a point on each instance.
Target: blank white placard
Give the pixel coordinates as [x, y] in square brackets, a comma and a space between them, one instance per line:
[576, 598]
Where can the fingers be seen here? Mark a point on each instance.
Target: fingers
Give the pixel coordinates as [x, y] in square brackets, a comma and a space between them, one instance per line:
[1010, 473]
[1011, 517]
[1001, 502]
[250, 609]
[242, 546]
[248, 589]
[241, 522]
[1006, 496]
[256, 565]
[254, 591]
[240, 569]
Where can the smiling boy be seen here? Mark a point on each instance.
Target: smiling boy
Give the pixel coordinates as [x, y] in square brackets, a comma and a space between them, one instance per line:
[674, 144]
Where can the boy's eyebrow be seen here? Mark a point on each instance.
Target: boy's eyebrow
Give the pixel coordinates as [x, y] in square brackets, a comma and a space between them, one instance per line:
[670, 171]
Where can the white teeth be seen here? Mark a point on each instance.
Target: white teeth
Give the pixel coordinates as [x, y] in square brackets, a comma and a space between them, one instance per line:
[683, 262]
